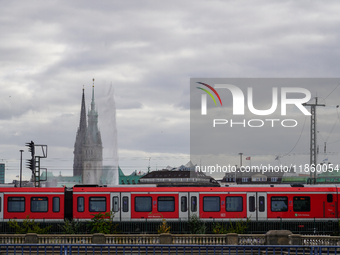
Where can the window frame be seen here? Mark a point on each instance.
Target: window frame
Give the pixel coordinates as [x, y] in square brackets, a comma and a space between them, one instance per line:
[97, 199]
[184, 204]
[193, 203]
[125, 206]
[24, 202]
[53, 204]
[39, 200]
[83, 201]
[309, 203]
[173, 203]
[114, 206]
[271, 203]
[150, 203]
[226, 203]
[219, 204]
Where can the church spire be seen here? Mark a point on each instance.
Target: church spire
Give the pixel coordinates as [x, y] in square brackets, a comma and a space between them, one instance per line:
[80, 138]
[82, 124]
[92, 102]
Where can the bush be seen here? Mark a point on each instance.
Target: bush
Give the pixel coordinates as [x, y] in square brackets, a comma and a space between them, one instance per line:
[196, 226]
[70, 226]
[28, 226]
[239, 227]
[164, 227]
[219, 228]
[103, 223]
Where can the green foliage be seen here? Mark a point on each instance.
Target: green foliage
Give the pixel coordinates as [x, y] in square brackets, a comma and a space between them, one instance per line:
[103, 223]
[239, 226]
[164, 227]
[28, 226]
[70, 226]
[220, 228]
[196, 226]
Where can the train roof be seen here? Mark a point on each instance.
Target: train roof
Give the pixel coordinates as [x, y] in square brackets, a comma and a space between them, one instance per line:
[153, 188]
[235, 188]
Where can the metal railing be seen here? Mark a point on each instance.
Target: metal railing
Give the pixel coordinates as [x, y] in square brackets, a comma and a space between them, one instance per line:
[103, 249]
[148, 226]
[228, 239]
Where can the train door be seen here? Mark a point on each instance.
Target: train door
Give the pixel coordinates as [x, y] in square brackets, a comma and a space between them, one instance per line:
[194, 205]
[183, 206]
[329, 206]
[125, 206]
[115, 202]
[257, 205]
[1, 206]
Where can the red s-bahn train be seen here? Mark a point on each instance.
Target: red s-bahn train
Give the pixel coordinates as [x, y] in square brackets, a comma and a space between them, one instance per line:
[262, 203]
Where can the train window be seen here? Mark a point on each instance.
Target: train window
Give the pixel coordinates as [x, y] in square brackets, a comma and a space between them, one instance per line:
[251, 201]
[329, 198]
[143, 204]
[184, 204]
[16, 204]
[39, 204]
[261, 204]
[0, 204]
[80, 204]
[279, 204]
[56, 204]
[234, 204]
[115, 204]
[211, 204]
[194, 204]
[97, 204]
[301, 204]
[166, 204]
[125, 204]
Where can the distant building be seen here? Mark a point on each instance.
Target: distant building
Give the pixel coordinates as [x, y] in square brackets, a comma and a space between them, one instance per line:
[131, 179]
[167, 178]
[257, 176]
[328, 177]
[2, 173]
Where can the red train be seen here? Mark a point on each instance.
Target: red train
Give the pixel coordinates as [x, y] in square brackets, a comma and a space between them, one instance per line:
[173, 203]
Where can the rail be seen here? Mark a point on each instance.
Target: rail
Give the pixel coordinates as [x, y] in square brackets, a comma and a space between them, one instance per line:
[251, 239]
[132, 239]
[103, 249]
[320, 240]
[185, 239]
[64, 239]
[199, 239]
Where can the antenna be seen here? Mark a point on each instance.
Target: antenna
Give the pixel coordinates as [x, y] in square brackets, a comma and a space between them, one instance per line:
[149, 165]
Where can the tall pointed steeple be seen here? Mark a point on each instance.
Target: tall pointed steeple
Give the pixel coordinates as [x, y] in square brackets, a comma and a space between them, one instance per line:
[80, 139]
[92, 148]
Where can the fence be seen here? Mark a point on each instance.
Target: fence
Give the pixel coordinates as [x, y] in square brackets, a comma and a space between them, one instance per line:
[103, 249]
[271, 238]
[182, 227]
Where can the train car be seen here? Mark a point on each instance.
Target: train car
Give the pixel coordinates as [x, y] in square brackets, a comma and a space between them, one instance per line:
[218, 203]
[137, 203]
[46, 204]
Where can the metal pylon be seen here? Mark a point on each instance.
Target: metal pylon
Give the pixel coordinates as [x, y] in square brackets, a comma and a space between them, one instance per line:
[313, 131]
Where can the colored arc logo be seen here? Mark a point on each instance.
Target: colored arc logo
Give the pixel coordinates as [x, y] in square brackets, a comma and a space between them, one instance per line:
[210, 93]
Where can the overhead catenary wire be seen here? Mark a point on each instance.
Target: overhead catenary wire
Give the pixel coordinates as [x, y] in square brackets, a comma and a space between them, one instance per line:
[297, 139]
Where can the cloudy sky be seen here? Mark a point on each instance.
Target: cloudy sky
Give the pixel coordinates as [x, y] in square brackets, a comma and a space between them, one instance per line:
[143, 54]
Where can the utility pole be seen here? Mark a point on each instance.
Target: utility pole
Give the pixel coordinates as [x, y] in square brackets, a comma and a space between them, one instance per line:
[21, 151]
[313, 151]
[240, 158]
